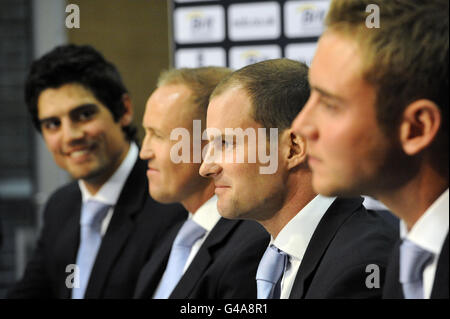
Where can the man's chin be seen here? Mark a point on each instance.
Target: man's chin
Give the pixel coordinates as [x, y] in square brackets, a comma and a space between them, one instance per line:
[89, 176]
[325, 189]
[161, 197]
[330, 190]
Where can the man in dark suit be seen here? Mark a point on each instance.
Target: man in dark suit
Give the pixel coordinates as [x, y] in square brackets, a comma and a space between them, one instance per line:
[321, 247]
[206, 257]
[377, 124]
[82, 109]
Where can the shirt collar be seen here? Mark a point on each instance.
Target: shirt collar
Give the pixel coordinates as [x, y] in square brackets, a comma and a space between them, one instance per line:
[110, 191]
[207, 215]
[294, 238]
[431, 228]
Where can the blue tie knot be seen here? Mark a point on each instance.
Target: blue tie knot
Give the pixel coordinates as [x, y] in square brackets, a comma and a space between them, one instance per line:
[93, 213]
[413, 260]
[269, 274]
[189, 233]
[272, 265]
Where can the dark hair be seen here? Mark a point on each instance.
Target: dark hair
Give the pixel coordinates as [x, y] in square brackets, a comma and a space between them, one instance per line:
[80, 64]
[405, 59]
[278, 90]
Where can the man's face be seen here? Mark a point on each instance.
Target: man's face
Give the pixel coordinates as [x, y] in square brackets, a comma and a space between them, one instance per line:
[168, 108]
[348, 152]
[242, 191]
[81, 133]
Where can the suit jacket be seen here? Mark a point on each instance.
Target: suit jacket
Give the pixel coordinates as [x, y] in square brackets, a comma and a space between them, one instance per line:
[347, 239]
[393, 287]
[135, 228]
[224, 267]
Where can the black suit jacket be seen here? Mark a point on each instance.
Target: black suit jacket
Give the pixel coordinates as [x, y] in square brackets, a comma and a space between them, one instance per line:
[224, 267]
[137, 224]
[347, 239]
[393, 287]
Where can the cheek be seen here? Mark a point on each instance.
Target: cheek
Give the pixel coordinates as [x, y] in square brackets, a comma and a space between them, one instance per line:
[52, 142]
[246, 180]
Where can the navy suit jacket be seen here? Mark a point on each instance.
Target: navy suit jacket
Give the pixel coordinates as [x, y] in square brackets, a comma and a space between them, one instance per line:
[223, 268]
[393, 287]
[347, 240]
[137, 224]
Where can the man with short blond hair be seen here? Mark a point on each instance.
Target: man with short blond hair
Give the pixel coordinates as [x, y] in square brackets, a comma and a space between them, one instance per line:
[377, 124]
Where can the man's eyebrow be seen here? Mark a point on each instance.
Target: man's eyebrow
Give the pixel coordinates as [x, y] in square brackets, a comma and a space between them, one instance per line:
[72, 112]
[152, 129]
[83, 107]
[326, 94]
[42, 121]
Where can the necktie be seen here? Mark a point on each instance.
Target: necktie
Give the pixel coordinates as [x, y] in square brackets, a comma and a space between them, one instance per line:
[92, 215]
[268, 276]
[413, 260]
[189, 233]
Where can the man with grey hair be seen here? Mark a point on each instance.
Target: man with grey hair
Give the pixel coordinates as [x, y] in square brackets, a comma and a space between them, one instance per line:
[206, 257]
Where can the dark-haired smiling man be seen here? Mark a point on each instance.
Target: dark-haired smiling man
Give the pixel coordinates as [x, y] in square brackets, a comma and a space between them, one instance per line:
[100, 229]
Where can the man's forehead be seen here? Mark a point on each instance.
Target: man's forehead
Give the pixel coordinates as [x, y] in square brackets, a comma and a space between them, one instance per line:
[336, 62]
[231, 106]
[63, 99]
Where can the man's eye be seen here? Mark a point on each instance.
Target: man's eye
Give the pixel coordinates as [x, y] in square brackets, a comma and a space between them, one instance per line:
[50, 124]
[328, 105]
[85, 115]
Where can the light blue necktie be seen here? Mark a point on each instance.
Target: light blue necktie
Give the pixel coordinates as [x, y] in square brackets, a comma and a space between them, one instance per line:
[413, 260]
[189, 233]
[269, 274]
[92, 215]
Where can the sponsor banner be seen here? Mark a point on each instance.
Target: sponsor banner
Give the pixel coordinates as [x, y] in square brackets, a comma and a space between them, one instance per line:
[201, 24]
[245, 55]
[254, 21]
[303, 52]
[236, 33]
[197, 57]
[304, 18]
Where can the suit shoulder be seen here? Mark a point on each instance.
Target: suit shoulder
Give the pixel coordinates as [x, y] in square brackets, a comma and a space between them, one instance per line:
[366, 235]
[63, 198]
[249, 234]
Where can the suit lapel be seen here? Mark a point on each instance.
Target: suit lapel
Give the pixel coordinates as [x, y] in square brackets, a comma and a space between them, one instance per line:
[204, 258]
[120, 228]
[335, 216]
[153, 270]
[440, 285]
[392, 288]
[66, 246]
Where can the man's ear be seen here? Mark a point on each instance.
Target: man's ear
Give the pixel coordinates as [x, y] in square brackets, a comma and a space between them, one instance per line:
[419, 126]
[295, 148]
[127, 116]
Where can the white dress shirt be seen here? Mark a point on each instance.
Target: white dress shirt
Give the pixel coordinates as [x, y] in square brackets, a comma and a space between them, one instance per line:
[110, 191]
[429, 232]
[294, 238]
